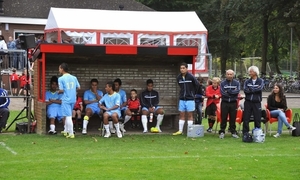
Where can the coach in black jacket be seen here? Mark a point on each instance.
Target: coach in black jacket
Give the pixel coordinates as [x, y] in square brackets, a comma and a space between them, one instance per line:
[253, 96]
[188, 85]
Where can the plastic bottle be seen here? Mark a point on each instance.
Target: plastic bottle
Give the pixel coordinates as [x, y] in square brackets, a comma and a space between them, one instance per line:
[151, 117]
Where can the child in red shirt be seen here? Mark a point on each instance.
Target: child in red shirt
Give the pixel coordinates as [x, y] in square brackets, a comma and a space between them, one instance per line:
[14, 82]
[78, 107]
[213, 95]
[22, 83]
[133, 106]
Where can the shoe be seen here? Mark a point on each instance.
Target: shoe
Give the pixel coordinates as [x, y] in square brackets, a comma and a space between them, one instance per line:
[235, 136]
[276, 135]
[159, 130]
[221, 136]
[122, 128]
[113, 131]
[119, 134]
[107, 135]
[209, 130]
[84, 131]
[71, 136]
[291, 128]
[52, 132]
[145, 131]
[64, 133]
[177, 133]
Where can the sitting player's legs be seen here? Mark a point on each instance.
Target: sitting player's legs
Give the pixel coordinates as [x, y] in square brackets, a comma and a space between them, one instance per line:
[145, 113]
[89, 111]
[160, 116]
[52, 114]
[211, 113]
[115, 118]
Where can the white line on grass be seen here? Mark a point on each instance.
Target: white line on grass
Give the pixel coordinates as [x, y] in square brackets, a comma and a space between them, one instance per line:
[8, 148]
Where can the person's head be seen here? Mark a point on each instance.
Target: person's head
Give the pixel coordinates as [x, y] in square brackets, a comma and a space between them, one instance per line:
[110, 87]
[118, 84]
[229, 74]
[149, 84]
[253, 71]
[94, 84]
[278, 90]
[63, 68]
[209, 82]
[215, 82]
[10, 38]
[14, 70]
[183, 68]
[53, 83]
[200, 80]
[133, 94]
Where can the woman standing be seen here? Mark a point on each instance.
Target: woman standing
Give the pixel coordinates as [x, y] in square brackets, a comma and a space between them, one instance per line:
[277, 106]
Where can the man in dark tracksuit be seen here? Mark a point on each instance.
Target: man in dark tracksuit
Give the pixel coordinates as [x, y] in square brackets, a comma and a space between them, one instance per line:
[188, 85]
[4, 111]
[199, 101]
[253, 96]
[230, 89]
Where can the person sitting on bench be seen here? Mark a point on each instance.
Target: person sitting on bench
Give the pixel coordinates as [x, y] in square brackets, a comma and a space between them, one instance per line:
[53, 102]
[110, 103]
[91, 98]
[133, 106]
[150, 101]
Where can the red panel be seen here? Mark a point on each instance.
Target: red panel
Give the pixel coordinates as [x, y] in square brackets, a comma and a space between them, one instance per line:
[193, 51]
[57, 48]
[121, 49]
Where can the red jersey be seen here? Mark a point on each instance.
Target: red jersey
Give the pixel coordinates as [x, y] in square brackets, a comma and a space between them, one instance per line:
[133, 104]
[210, 94]
[14, 77]
[22, 81]
[78, 103]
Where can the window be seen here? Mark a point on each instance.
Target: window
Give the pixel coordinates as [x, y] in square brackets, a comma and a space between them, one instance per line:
[188, 42]
[116, 40]
[153, 41]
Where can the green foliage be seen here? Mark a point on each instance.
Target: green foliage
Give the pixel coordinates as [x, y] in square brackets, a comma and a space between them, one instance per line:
[237, 26]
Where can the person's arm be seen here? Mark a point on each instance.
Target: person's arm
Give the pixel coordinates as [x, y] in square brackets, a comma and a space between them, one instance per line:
[223, 90]
[143, 101]
[156, 101]
[259, 87]
[47, 100]
[209, 93]
[116, 102]
[237, 90]
[6, 101]
[86, 98]
[60, 86]
[199, 93]
[246, 88]
[139, 105]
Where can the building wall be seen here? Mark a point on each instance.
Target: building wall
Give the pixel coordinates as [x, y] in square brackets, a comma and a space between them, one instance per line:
[132, 72]
[19, 28]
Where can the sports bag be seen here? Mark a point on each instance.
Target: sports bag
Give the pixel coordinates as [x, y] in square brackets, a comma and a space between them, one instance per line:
[296, 124]
[258, 135]
[247, 138]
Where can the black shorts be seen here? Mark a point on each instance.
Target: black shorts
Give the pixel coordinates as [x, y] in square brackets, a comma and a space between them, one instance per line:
[14, 84]
[27, 87]
[211, 110]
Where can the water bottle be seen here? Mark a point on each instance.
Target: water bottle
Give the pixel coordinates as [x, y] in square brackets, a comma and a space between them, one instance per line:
[151, 117]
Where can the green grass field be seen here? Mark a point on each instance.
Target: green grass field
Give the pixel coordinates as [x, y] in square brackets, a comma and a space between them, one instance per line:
[34, 156]
[155, 156]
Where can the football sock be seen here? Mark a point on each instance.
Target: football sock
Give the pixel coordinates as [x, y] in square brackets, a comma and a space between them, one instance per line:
[181, 124]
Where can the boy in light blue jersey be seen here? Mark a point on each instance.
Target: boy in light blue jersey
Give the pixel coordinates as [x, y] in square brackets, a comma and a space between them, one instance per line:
[91, 98]
[110, 103]
[68, 85]
[53, 102]
[123, 105]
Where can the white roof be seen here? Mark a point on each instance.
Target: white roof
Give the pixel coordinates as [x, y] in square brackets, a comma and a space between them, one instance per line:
[18, 20]
[111, 20]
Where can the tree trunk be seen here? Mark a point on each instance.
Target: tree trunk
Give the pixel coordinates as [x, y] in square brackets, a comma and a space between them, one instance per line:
[298, 56]
[264, 44]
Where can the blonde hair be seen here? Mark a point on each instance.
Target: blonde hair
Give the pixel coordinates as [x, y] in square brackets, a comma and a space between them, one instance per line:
[216, 79]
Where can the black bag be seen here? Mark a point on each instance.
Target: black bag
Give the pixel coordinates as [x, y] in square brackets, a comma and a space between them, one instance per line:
[296, 124]
[247, 137]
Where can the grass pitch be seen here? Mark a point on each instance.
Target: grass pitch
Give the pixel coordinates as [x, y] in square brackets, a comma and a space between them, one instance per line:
[33, 156]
